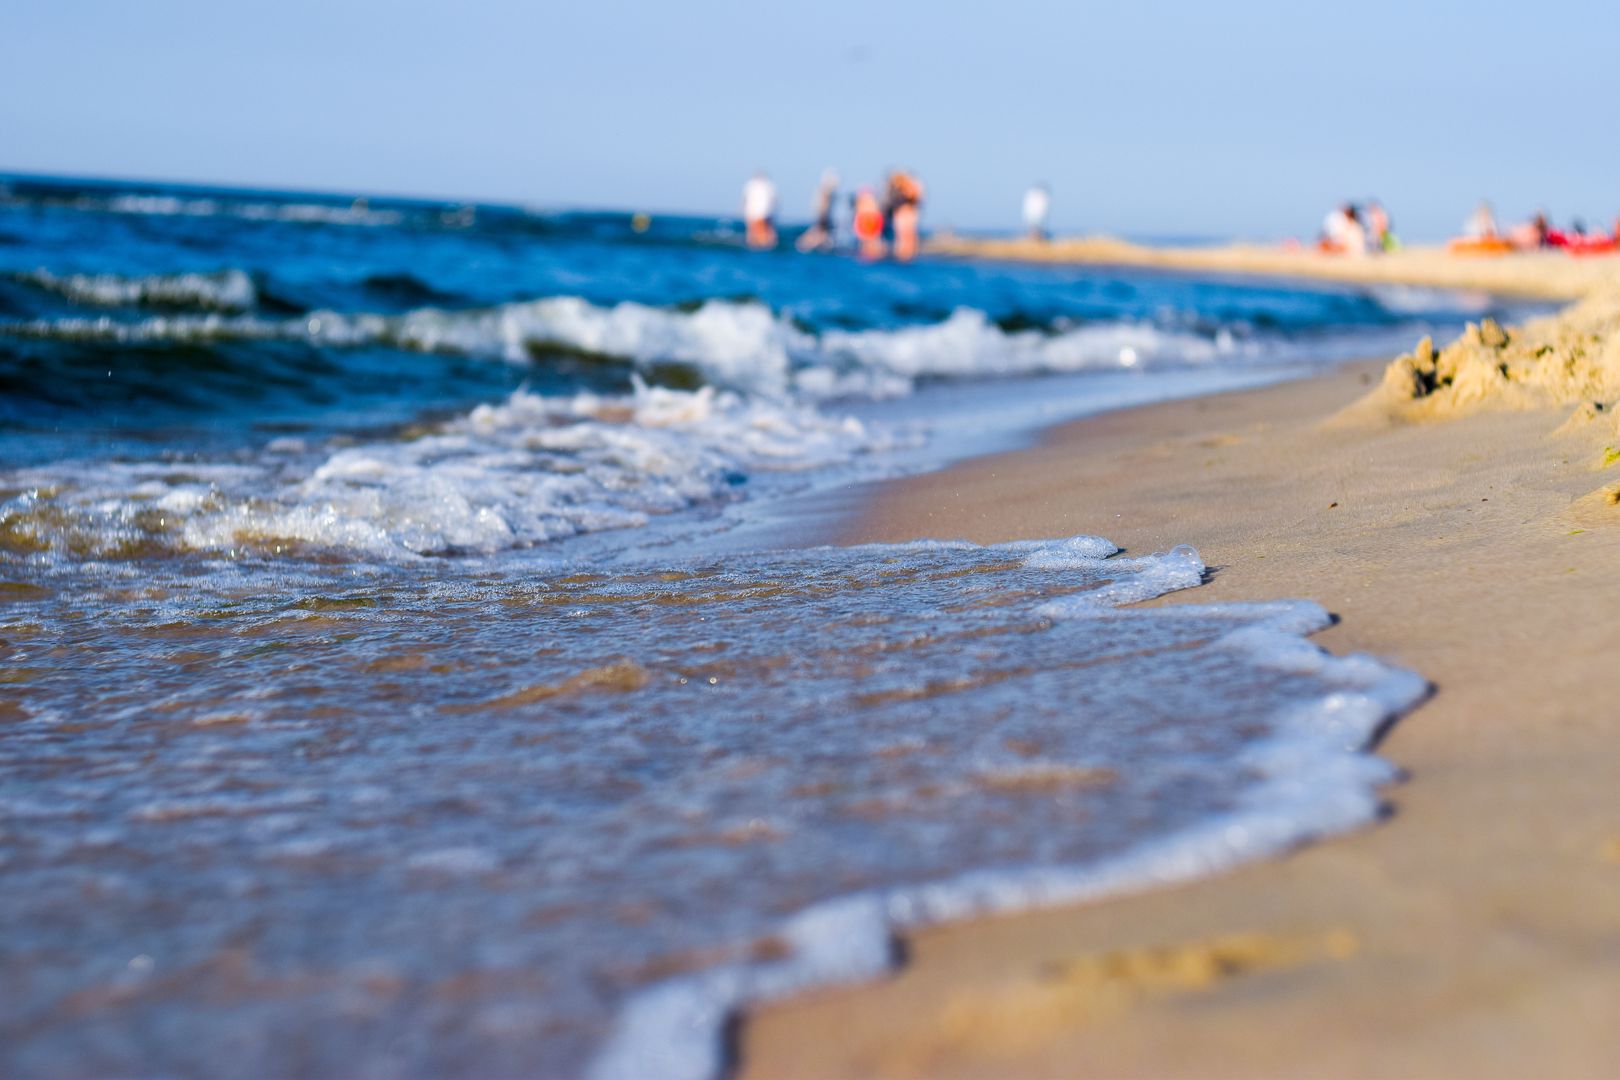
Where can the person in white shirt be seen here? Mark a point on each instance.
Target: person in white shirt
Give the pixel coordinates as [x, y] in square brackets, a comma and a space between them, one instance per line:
[1343, 233]
[1481, 224]
[1037, 204]
[759, 211]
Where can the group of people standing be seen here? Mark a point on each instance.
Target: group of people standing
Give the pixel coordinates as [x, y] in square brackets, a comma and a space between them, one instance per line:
[880, 226]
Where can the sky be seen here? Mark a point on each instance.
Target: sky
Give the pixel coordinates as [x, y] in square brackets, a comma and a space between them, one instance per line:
[1145, 118]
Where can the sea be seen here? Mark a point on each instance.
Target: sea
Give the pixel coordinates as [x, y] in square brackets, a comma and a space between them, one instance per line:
[425, 650]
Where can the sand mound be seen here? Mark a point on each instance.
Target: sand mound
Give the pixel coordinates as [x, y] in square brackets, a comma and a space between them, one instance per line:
[1571, 358]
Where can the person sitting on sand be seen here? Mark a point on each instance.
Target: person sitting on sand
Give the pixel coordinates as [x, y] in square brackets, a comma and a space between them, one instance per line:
[759, 211]
[1579, 240]
[819, 236]
[1566, 238]
[1481, 224]
[1037, 204]
[868, 224]
[1530, 235]
[1343, 232]
[1380, 232]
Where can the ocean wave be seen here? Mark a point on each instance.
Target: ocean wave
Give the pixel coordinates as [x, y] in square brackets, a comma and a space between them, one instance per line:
[742, 346]
[968, 344]
[404, 289]
[357, 212]
[1417, 300]
[529, 470]
[229, 290]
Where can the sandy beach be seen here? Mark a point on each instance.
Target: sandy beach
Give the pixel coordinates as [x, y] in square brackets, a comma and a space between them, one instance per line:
[919, 541]
[1457, 510]
[1549, 275]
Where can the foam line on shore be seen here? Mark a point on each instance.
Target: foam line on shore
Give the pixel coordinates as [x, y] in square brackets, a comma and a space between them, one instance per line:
[1318, 778]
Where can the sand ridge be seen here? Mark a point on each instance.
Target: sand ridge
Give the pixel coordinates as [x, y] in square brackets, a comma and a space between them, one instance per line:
[1551, 275]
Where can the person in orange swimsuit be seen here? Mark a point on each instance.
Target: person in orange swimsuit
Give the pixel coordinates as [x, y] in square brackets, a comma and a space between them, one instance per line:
[868, 224]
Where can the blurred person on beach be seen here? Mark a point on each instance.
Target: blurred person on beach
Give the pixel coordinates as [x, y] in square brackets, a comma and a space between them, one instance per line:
[891, 199]
[1481, 224]
[1580, 240]
[759, 211]
[1037, 205]
[1380, 231]
[820, 235]
[868, 224]
[1530, 235]
[906, 194]
[1343, 232]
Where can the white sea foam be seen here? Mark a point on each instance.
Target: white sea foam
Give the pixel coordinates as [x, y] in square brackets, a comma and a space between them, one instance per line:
[734, 345]
[969, 344]
[526, 471]
[1417, 300]
[356, 213]
[535, 469]
[1315, 778]
[224, 290]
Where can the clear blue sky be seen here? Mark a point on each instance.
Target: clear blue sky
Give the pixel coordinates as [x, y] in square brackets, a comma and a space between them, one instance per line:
[1193, 118]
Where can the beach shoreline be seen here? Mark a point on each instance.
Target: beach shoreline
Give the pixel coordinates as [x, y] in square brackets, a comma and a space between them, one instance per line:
[1471, 933]
[1543, 275]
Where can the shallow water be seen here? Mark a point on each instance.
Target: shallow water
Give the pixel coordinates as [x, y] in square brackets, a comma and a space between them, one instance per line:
[450, 821]
[408, 666]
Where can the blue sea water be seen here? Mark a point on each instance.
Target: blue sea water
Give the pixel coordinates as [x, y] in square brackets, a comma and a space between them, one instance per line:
[396, 678]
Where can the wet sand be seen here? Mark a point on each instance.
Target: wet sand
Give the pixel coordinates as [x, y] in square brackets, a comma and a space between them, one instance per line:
[1550, 275]
[1476, 931]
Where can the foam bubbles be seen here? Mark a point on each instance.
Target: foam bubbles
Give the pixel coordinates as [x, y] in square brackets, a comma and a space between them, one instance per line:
[526, 471]
[969, 344]
[739, 346]
[224, 290]
[356, 212]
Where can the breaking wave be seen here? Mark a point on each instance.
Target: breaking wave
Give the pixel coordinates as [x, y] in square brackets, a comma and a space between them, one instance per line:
[224, 290]
[742, 346]
[355, 212]
[529, 470]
